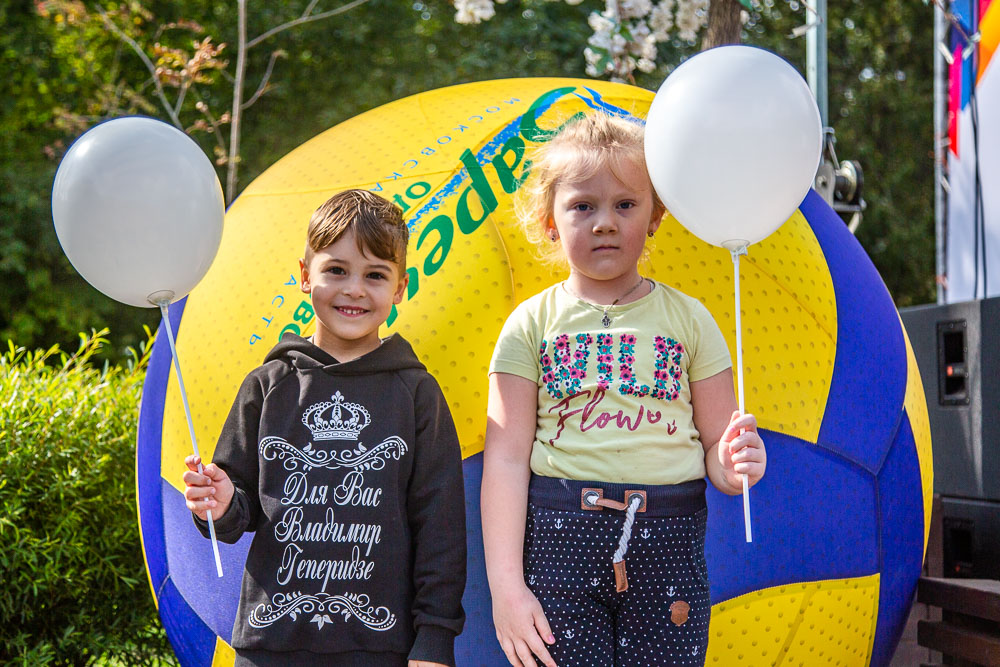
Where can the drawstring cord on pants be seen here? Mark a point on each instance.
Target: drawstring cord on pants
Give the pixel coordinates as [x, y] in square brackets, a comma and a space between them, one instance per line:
[618, 560]
[626, 530]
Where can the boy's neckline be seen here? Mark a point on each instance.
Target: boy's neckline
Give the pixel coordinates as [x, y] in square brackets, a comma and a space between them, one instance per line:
[381, 341]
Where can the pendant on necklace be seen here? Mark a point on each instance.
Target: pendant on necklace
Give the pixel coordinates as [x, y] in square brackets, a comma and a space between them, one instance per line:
[606, 321]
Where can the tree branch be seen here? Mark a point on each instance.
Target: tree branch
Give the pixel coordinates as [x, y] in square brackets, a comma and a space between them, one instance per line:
[263, 82]
[149, 66]
[305, 18]
[181, 95]
[205, 111]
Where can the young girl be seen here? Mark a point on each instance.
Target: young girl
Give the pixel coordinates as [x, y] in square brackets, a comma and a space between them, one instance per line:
[611, 397]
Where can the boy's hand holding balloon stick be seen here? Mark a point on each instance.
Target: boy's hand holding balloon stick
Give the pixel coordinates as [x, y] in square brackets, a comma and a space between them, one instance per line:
[138, 210]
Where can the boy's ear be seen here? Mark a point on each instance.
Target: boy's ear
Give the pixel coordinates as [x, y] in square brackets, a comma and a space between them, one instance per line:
[401, 288]
[304, 274]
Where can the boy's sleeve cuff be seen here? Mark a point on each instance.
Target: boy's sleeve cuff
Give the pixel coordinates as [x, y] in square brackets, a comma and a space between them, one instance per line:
[227, 526]
[434, 644]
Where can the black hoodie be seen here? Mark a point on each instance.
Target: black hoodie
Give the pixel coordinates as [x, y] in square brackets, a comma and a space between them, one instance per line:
[350, 474]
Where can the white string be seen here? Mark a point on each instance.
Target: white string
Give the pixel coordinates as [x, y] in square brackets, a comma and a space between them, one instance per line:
[627, 529]
[187, 413]
[736, 252]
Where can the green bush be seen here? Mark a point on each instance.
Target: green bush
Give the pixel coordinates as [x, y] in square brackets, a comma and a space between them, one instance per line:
[73, 587]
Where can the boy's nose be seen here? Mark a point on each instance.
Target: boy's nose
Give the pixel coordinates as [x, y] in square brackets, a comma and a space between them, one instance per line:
[354, 288]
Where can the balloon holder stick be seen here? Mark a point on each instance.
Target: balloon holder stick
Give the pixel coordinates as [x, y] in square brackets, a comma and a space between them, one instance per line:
[736, 251]
[163, 303]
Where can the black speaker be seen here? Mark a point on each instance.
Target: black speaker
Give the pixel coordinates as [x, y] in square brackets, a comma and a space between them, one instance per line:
[957, 347]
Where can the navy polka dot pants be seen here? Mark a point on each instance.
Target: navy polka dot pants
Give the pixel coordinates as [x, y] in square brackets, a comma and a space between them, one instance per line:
[662, 618]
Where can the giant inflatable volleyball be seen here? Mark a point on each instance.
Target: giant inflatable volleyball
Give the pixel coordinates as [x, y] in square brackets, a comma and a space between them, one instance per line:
[840, 519]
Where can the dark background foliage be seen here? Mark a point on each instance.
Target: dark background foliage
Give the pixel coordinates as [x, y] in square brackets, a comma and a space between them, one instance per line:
[880, 63]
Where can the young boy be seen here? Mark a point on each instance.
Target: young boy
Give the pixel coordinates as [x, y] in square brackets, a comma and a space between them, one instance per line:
[341, 455]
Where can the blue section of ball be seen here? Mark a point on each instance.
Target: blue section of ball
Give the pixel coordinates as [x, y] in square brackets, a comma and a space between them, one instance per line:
[192, 639]
[477, 645]
[901, 548]
[147, 457]
[865, 401]
[812, 520]
[192, 565]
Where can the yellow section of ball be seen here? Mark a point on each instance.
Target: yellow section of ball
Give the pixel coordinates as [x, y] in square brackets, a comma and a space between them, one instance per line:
[915, 405]
[812, 623]
[789, 316]
[224, 655]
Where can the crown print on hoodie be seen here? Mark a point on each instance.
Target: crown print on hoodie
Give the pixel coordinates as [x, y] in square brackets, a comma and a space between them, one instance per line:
[333, 420]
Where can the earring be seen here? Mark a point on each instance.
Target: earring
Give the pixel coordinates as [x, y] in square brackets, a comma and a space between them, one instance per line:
[552, 235]
[649, 234]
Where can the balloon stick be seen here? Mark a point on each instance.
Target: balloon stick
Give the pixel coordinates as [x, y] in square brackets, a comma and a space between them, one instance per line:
[187, 413]
[736, 252]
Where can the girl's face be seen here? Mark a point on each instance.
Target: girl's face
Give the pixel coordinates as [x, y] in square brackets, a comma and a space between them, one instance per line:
[603, 222]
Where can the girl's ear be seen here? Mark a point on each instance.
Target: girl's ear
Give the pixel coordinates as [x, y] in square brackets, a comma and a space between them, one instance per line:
[551, 233]
[659, 210]
[656, 218]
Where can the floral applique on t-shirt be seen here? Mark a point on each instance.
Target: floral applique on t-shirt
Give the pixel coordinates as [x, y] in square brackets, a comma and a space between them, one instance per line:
[604, 359]
[667, 376]
[564, 370]
[626, 361]
[570, 367]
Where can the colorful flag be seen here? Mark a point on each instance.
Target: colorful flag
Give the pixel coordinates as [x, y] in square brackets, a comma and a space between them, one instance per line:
[972, 236]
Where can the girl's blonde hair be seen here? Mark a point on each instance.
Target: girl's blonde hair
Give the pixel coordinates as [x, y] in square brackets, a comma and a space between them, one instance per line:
[579, 150]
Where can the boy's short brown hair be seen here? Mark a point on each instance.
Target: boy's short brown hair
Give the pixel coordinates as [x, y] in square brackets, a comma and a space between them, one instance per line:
[377, 223]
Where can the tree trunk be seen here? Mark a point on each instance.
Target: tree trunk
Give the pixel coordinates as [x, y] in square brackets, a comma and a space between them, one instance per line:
[724, 24]
[233, 162]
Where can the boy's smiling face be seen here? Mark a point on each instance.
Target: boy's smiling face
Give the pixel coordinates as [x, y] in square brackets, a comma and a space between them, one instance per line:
[352, 293]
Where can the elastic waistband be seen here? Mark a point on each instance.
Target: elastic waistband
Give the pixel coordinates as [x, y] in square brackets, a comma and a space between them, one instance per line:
[661, 499]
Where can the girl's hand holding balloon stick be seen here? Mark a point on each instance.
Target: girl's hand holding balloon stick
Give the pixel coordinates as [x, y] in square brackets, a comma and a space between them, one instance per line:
[733, 142]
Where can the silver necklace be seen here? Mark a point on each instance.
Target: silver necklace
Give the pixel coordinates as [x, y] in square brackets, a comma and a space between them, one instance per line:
[606, 319]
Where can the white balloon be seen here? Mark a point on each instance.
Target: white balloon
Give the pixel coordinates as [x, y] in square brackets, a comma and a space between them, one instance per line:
[733, 141]
[138, 210]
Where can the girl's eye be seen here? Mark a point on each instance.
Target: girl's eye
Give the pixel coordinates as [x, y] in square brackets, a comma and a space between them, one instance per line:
[581, 207]
[375, 275]
[335, 270]
[627, 204]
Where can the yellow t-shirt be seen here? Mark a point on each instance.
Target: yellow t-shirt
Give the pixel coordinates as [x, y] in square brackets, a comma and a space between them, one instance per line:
[614, 404]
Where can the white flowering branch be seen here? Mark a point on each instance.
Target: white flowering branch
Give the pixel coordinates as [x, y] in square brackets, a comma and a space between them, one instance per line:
[625, 33]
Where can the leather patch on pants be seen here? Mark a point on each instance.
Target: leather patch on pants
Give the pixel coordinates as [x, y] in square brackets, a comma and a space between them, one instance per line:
[679, 612]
